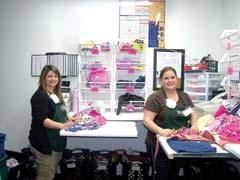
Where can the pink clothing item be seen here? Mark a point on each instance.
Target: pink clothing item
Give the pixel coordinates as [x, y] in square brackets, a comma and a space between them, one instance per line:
[97, 117]
[186, 134]
[221, 110]
[213, 126]
[130, 108]
[228, 118]
[219, 121]
[229, 133]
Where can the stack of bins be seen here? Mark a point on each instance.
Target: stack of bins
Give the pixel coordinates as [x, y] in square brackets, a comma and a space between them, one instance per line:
[75, 164]
[3, 158]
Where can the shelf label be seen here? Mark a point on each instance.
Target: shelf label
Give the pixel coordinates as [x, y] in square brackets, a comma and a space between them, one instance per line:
[229, 70]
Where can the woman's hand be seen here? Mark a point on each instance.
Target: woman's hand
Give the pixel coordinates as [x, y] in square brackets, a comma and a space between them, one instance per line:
[167, 132]
[67, 124]
[194, 128]
[73, 118]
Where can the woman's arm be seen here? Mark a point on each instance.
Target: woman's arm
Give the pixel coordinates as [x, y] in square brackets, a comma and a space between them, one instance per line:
[194, 119]
[194, 114]
[48, 123]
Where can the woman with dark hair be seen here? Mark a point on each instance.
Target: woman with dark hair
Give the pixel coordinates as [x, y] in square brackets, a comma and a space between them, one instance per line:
[163, 113]
[48, 118]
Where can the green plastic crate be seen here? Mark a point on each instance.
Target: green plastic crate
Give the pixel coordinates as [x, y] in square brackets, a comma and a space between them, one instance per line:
[3, 169]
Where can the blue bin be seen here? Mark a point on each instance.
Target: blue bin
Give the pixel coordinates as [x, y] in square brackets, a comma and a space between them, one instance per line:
[2, 150]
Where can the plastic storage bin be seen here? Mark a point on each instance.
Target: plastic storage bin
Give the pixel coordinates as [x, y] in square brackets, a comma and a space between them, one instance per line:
[3, 168]
[205, 108]
[2, 141]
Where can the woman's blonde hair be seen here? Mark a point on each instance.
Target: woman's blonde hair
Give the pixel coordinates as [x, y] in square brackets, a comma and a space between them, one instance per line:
[42, 84]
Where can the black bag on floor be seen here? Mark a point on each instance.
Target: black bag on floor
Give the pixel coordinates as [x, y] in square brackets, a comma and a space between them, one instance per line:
[75, 165]
[27, 165]
[104, 163]
[135, 165]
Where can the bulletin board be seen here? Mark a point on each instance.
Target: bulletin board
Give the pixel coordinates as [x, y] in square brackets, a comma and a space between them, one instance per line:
[168, 57]
[133, 19]
[141, 19]
[156, 35]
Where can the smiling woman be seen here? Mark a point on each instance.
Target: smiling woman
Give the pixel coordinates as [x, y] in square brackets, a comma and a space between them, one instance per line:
[49, 116]
[166, 111]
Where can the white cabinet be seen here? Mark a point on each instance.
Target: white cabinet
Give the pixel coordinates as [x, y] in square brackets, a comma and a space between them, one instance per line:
[199, 85]
[113, 76]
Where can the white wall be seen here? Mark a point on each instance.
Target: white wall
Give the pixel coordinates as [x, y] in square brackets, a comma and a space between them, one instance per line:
[194, 26]
[35, 27]
[231, 17]
[38, 26]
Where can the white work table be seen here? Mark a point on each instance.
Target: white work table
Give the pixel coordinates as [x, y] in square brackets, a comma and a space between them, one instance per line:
[110, 129]
[221, 153]
[232, 148]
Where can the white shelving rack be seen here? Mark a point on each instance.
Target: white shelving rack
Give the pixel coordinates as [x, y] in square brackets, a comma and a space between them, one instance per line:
[129, 77]
[95, 75]
[231, 60]
[108, 71]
